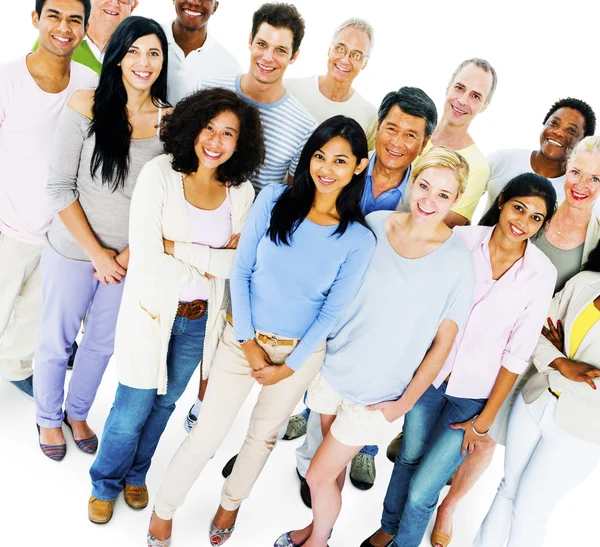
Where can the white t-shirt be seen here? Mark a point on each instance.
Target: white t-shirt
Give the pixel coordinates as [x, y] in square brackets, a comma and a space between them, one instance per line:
[507, 164]
[306, 90]
[212, 60]
[28, 119]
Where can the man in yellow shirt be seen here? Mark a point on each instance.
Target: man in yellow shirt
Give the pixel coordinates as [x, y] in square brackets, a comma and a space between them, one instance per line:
[469, 93]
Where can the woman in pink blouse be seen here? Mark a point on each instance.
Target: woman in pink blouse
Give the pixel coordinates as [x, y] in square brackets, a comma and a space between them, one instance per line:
[513, 288]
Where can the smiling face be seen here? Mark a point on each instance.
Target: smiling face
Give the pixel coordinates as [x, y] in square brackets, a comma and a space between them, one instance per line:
[348, 54]
[194, 14]
[582, 181]
[217, 142]
[142, 63]
[561, 132]
[333, 166]
[522, 217]
[270, 53]
[434, 192]
[107, 14]
[61, 26]
[400, 138]
[466, 96]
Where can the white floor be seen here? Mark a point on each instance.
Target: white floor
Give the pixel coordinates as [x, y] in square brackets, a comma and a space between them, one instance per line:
[45, 503]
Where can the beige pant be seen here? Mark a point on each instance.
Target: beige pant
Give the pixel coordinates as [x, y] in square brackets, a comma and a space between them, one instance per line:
[228, 386]
[20, 306]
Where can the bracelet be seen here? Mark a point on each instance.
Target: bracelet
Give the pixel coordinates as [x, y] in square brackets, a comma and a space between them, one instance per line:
[474, 430]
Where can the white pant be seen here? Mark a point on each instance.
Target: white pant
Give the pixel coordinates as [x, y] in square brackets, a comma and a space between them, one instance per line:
[542, 464]
[20, 306]
[312, 441]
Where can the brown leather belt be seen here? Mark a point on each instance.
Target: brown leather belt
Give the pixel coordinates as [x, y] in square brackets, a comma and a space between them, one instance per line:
[273, 340]
[192, 310]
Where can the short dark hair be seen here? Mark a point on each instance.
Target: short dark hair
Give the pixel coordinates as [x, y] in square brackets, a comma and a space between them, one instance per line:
[524, 185]
[87, 9]
[180, 129]
[280, 15]
[412, 101]
[582, 107]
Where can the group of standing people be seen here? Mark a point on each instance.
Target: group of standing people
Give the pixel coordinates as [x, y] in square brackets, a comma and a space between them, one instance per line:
[181, 213]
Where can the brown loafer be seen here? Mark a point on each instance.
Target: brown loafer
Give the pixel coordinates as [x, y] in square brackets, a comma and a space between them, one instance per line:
[100, 511]
[136, 496]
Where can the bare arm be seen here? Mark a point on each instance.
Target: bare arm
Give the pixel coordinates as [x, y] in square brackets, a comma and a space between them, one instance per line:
[425, 375]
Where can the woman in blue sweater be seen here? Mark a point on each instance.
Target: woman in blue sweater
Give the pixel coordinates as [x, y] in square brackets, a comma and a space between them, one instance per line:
[300, 260]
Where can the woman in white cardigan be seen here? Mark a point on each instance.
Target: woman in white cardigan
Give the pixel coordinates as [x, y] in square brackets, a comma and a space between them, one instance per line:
[186, 216]
[553, 439]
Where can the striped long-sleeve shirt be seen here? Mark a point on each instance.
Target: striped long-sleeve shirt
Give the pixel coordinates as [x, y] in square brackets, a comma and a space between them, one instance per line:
[286, 125]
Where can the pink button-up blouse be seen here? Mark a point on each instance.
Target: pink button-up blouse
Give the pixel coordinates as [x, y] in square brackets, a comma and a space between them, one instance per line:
[505, 320]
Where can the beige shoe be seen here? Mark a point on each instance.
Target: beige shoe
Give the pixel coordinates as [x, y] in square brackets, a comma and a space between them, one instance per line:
[136, 496]
[100, 511]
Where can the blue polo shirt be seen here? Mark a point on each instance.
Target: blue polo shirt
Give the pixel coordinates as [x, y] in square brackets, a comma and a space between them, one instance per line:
[389, 200]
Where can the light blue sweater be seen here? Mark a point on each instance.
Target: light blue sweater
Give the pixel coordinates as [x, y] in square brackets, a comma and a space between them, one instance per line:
[300, 290]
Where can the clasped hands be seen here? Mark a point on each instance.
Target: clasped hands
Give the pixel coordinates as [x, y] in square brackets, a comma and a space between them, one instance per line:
[263, 370]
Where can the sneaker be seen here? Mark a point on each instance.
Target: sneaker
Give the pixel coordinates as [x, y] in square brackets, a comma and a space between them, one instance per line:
[393, 448]
[25, 386]
[362, 471]
[296, 427]
[190, 420]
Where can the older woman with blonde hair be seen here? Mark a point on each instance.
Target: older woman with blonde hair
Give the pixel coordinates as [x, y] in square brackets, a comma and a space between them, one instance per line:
[418, 265]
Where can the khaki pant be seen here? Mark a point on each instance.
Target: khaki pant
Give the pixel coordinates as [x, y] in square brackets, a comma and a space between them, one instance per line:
[229, 385]
[20, 306]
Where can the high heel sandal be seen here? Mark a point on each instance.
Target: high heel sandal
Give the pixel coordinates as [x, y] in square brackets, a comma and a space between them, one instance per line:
[217, 536]
[153, 542]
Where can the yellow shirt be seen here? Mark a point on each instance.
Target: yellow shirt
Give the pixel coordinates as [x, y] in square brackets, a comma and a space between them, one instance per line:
[584, 322]
[479, 173]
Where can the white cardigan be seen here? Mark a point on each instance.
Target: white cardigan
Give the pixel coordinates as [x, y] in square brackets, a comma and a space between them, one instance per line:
[578, 407]
[154, 278]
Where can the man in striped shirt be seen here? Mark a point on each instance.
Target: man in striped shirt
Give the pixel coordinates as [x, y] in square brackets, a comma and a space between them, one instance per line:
[277, 31]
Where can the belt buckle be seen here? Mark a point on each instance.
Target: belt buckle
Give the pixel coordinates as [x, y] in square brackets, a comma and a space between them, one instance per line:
[274, 340]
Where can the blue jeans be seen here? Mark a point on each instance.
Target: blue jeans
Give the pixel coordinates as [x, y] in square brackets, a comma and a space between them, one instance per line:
[370, 450]
[138, 417]
[429, 454]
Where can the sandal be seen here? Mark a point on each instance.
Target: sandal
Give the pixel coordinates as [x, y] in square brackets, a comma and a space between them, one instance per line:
[216, 536]
[285, 540]
[153, 542]
[437, 538]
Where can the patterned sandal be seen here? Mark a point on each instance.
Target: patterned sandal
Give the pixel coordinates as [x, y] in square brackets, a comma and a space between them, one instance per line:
[217, 537]
[285, 540]
[153, 542]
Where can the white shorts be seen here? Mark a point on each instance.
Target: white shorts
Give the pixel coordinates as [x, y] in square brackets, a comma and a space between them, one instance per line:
[354, 425]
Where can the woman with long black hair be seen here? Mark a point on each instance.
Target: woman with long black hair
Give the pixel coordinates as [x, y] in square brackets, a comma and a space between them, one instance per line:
[103, 139]
[300, 260]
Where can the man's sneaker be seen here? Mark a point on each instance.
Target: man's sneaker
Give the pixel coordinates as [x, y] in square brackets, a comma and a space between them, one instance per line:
[25, 386]
[394, 447]
[296, 427]
[190, 420]
[362, 471]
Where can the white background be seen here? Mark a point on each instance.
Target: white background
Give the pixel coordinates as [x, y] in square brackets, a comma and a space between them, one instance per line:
[542, 51]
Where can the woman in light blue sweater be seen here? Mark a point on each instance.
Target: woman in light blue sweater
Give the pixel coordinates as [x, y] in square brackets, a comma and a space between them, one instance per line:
[300, 260]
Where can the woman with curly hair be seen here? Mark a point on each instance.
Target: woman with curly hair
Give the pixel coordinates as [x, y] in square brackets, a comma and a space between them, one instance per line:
[187, 211]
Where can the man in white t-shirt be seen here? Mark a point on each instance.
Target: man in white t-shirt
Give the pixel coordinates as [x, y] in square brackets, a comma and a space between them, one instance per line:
[332, 93]
[33, 90]
[194, 54]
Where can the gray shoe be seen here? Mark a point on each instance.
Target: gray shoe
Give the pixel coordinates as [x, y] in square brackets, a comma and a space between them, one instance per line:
[296, 427]
[362, 471]
[394, 447]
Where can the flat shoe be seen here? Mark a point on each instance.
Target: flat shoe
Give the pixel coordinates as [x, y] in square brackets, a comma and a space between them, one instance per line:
[367, 542]
[55, 452]
[89, 446]
[437, 538]
[216, 536]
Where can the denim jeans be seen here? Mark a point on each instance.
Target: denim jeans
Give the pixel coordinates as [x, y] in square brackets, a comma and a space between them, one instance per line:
[429, 454]
[138, 417]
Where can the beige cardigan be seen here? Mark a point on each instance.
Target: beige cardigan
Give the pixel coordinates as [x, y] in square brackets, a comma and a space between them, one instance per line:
[578, 407]
[154, 278]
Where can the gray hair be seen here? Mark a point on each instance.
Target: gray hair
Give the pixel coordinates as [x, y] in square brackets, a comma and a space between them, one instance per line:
[358, 24]
[484, 65]
[589, 144]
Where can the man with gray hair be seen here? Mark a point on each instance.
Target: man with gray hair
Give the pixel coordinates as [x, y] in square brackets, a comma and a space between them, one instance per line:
[469, 93]
[332, 93]
[405, 121]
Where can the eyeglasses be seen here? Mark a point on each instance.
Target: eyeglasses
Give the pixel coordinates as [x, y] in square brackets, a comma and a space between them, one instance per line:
[355, 55]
